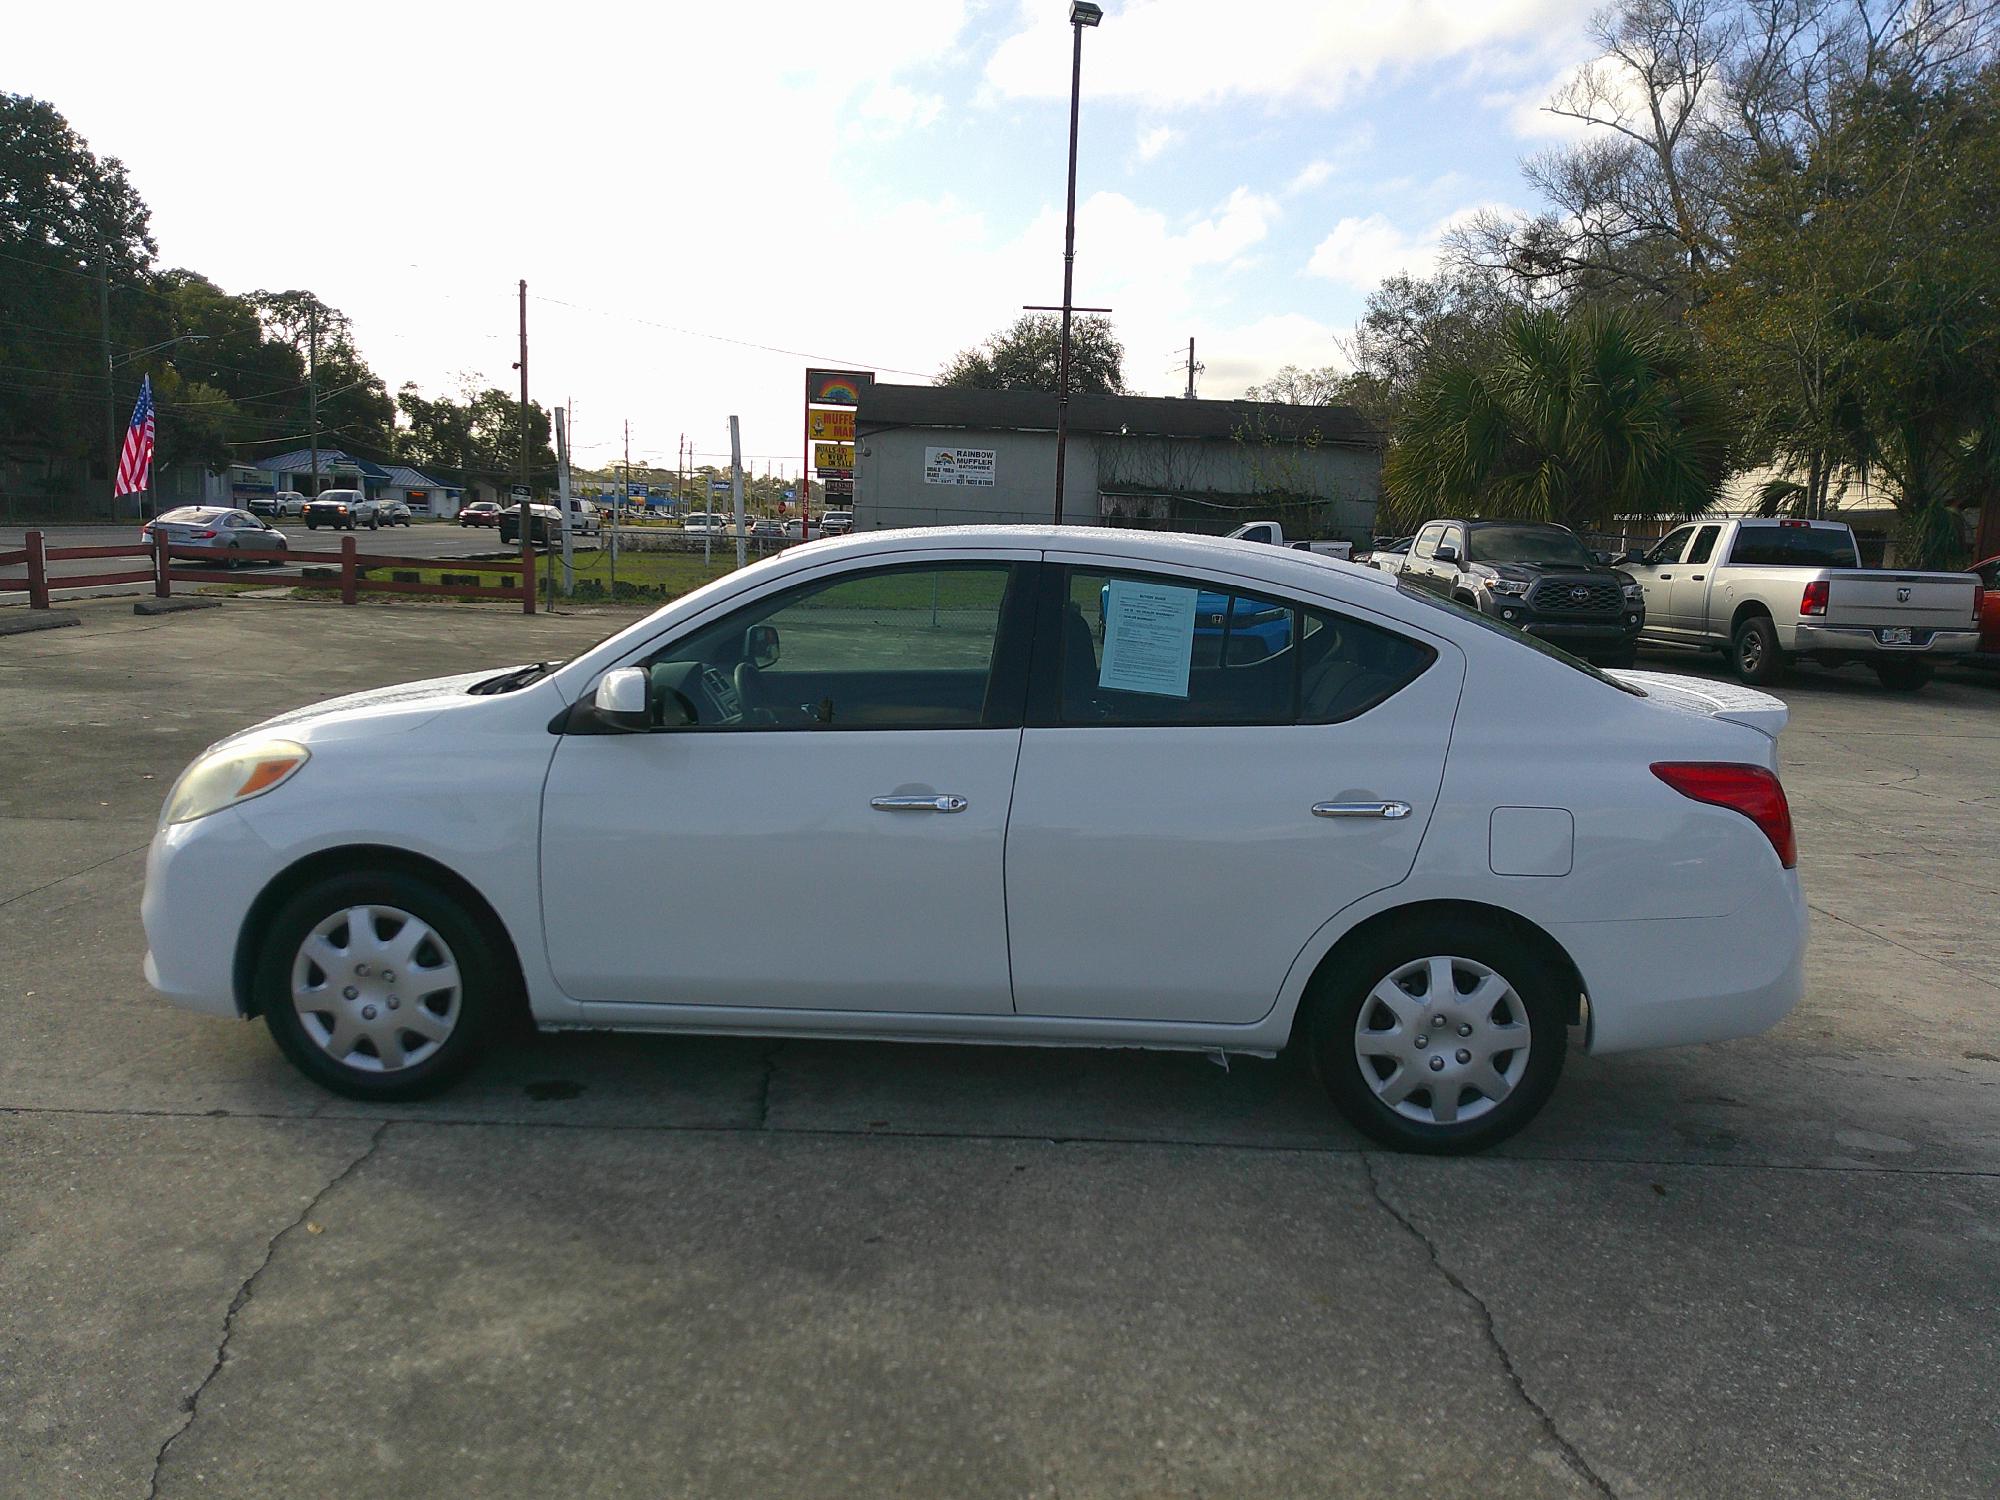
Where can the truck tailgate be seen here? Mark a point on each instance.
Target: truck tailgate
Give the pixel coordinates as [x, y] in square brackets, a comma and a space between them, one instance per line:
[1927, 601]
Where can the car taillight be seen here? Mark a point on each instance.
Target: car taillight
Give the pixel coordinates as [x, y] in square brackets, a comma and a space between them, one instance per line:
[204, 536]
[1813, 602]
[1750, 790]
[1978, 602]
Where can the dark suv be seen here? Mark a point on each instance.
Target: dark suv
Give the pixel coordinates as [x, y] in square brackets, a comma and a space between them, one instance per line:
[1535, 576]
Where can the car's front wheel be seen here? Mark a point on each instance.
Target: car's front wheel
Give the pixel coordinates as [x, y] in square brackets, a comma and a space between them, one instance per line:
[379, 985]
[1439, 1036]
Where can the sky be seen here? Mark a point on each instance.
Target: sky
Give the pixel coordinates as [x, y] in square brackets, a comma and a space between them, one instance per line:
[705, 199]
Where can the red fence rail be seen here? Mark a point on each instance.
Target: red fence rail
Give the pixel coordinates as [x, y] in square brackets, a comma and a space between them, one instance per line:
[167, 565]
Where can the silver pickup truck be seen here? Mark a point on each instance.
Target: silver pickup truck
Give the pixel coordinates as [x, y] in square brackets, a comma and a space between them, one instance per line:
[1765, 592]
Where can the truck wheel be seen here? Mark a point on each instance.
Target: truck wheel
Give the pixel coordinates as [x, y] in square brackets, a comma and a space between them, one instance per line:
[1903, 676]
[1755, 654]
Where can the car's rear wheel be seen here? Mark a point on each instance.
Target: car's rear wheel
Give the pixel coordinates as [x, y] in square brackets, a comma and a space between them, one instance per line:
[1903, 676]
[379, 985]
[1754, 652]
[1440, 1036]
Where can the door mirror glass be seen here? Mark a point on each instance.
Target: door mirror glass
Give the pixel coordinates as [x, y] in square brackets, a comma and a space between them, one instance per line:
[1446, 554]
[1632, 555]
[760, 646]
[620, 699]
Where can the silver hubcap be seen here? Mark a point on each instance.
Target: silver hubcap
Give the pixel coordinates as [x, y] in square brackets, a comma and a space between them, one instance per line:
[376, 988]
[1442, 1040]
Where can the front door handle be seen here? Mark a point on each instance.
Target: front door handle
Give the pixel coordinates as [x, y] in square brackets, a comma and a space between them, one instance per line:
[1665, 576]
[1697, 578]
[1361, 810]
[918, 804]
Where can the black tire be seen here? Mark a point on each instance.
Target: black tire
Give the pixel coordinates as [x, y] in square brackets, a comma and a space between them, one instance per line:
[1754, 653]
[1903, 676]
[232, 560]
[374, 523]
[312, 526]
[482, 994]
[1334, 1010]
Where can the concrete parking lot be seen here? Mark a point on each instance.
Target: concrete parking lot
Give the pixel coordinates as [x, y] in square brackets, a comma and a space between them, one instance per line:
[638, 1266]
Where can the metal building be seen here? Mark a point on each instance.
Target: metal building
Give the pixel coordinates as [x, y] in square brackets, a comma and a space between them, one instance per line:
[944, 455]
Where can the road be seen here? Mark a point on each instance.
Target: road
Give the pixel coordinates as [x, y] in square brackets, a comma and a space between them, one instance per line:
[654, 1266]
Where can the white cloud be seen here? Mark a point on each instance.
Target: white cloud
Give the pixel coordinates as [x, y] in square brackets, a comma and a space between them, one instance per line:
[1176, 53]
[897, 107]
[1152, 142]
[1244, 220]
[1530, 118]
[1310, 176]
[1361, 253]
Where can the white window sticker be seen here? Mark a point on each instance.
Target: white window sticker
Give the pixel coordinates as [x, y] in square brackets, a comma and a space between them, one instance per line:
[1148, 638]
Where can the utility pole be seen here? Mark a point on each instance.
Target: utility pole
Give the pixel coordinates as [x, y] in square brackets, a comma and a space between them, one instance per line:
[562, 495]
[527, 489]
[110, 396]
[736, 482]
[312, 391]
[1193, 370]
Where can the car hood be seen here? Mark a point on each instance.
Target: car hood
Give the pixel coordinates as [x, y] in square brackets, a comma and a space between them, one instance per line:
[390, 710]
[1530, 571]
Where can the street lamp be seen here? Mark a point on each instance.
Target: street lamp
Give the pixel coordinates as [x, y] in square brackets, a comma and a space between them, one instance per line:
[1081, 14]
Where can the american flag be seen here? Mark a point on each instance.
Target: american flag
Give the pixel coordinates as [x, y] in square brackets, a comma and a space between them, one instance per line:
[135, 463]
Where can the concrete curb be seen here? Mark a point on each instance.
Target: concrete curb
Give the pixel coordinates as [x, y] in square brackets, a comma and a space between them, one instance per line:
[38, 619]
[171, 606]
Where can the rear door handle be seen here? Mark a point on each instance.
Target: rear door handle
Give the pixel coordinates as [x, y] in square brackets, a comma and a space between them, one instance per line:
[918, 804]
[1361, 809]
[1697, 578]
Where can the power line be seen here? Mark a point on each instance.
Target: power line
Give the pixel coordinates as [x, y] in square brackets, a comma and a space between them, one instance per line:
[720, 338]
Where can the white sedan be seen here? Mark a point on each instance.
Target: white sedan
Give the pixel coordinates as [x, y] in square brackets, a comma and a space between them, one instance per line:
[1074, 787]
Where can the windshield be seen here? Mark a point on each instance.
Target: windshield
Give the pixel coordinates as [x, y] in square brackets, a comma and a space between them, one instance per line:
[1533, 643]
[1527, 544]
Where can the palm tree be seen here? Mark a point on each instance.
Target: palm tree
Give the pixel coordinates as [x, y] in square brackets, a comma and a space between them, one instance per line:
[1577, 416]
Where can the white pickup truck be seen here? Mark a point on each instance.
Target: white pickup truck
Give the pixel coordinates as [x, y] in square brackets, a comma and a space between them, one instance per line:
[1274, 534]
[1766, 592]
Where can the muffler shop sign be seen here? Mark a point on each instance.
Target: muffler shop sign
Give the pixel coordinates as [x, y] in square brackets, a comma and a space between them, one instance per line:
[959, 466]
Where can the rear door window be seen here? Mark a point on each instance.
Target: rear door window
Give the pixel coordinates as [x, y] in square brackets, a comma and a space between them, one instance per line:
[1153, 649]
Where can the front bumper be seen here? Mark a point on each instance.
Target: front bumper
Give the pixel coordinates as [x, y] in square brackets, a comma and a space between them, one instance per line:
[201, 878]
[1616, 633]
[1862, 640]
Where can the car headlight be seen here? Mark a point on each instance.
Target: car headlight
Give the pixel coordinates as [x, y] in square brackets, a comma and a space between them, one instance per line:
[226, 777]
[1634, 594]
[1513, 586]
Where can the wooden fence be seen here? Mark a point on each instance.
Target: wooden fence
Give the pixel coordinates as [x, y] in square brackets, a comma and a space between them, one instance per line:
[168, 565]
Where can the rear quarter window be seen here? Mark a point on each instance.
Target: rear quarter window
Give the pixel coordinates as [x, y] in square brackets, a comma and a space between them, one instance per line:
[1792, 547]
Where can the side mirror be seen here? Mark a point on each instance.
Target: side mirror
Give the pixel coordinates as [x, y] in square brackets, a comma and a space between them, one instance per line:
[760, 646]
[1446, 555]
[1632, 555]
[620, 700]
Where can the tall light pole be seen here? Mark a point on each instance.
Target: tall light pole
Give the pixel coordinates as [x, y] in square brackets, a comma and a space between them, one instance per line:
[1081, 14]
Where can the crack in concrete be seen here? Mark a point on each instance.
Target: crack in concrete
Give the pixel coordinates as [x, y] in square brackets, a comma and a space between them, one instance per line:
[192, 1403]
[1577, 1463]
[78, 874]
[764, 1088]
[1883, 937]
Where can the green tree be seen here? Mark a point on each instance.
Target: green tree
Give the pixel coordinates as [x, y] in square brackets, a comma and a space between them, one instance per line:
[1578, 416]
[68, 221]
[355, 411]
[1857, 315]
[1026, 356]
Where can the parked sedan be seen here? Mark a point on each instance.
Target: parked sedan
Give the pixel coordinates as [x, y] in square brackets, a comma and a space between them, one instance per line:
[479, 513]
[1418, 845]
[764, 529]
[215, 529]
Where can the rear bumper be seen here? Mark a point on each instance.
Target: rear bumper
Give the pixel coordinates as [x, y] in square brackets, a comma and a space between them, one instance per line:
[1666, 982]
[1861, 640]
